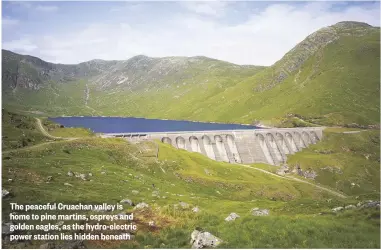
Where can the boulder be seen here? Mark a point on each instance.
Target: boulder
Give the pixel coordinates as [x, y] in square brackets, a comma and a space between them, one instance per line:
[310, 174]
[70, 173]
[141, 205]
[50, 178]
[6, 228]
[369, 204]
[5, 193]
[127, 201]
[195, 210]
[60, 223]
[155, 193]
[350, 207]
[337, 209]
[283, 170]
[260, 212]
[184, 205]
[84, 177]
[231, 217]
[201, 239]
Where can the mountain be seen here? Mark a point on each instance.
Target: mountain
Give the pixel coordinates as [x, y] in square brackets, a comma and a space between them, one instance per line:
[330, 78]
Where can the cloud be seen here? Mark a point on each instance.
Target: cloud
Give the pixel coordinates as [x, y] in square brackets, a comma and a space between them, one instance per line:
[22, 45]
[9, 22]
[262, 37]
[31, 6]
[210, 8]
[46, 8]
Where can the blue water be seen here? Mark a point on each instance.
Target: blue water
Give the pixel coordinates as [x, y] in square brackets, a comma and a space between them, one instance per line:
[134, 125]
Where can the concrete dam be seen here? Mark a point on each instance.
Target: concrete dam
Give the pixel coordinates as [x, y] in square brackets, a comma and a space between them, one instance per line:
[269, 146]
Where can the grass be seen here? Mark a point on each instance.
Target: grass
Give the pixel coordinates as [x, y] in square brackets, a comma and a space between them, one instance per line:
[337, 85]
[19, 131]
[218, 189]
[348, 162]
[58, 130]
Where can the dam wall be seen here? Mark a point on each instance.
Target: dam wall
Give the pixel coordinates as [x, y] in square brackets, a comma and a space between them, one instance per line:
[269, 146]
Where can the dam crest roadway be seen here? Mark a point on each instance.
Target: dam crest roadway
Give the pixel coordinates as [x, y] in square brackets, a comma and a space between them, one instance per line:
[245, 146]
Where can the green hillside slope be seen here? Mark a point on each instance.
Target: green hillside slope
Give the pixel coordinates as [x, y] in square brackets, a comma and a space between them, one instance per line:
[330, 78]
[300, 214]
[338, 84]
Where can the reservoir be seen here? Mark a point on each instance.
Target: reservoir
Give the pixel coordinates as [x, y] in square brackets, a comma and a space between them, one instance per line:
[141, 125]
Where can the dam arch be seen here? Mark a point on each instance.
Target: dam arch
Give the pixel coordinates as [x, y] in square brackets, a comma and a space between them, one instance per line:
[221, 148]
[298, 140]
[207, 142]
[195, 146]
[265, 149]
[314, 137]
[233, 148]
[166, 140]
[306, 138]
[282, 143]
[274, 147]
[180, 142]
[291, 141]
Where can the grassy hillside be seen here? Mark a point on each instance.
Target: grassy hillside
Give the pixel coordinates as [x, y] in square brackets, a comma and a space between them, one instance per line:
[19, 131]
[165, 176]
[330, 78]
[338, 84]
[348, 162]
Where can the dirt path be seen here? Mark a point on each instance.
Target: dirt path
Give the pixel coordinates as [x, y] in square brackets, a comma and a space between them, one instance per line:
[296, 179]
[45, 133]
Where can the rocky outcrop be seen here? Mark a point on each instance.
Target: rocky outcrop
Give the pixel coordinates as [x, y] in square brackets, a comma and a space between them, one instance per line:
[232, 216]
[337, 209]
[369, 204]
[127, 201]
[260, 212]
[5, 193]
[309, 174]
[195, 210]
[200, 239]
[141, 205]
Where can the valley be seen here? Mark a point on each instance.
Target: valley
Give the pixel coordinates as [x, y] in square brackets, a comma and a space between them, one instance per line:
[299, 210]
[325, 195]
[330, 78]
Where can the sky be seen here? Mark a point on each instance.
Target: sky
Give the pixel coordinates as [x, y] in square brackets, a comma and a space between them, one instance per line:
[242, 32]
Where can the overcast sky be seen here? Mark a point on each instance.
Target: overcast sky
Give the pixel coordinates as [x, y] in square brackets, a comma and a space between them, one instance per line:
[257, 33]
